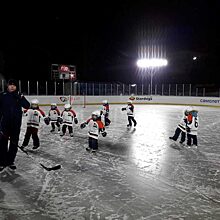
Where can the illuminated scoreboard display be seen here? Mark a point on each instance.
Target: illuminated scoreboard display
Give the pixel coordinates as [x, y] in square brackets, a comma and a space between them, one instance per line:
[63, 72]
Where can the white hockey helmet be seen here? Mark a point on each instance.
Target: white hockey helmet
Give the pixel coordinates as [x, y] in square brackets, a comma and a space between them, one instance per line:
[35, 101]
[53, 106]
[104, 101]
[96, 113]
[188, 110]
[67, 106]
[129, 102]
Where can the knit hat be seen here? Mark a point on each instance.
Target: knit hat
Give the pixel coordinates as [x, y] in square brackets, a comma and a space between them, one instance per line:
[13, 82]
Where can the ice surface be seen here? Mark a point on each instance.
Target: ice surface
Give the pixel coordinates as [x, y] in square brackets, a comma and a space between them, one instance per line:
[136, 174]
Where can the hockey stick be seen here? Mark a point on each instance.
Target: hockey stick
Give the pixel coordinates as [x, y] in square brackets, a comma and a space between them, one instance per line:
[56, 167]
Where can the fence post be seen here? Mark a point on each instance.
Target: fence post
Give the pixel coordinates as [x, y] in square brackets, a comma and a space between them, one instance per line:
[105, 89]
[183, 89]
[117, 89]
[155, 89]
[162, 89]
[28, 88]
[196, 91]
[19, 83]
[71, 88]
[176, 90]
[190, 89]
[63, 88]
[169, 89]
[203, 92]
[46, 89]
[123, 89]
[37, 88]
[55, 88]
[129, 89]
[142, 89]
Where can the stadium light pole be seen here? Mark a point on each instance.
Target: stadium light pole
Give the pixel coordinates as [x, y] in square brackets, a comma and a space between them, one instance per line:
[151, 64]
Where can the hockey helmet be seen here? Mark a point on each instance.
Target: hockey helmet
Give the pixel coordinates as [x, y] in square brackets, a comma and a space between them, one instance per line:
[34, 103]
[67, 106]
[95, 115]
[188, 110]
[105, 102]
[129, 102]
[53, 105]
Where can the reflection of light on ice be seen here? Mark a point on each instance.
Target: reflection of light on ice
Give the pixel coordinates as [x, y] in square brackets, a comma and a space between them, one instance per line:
[148, 141]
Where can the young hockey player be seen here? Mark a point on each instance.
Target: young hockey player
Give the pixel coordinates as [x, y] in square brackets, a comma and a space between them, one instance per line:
[68, 116]
[192, 127]
[181, 127]
[130, 114]
[95, 128]
[105, 113]
[34, 114]
[54, 115]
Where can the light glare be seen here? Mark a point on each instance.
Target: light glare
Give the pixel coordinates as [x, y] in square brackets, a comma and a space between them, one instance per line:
[144, 63]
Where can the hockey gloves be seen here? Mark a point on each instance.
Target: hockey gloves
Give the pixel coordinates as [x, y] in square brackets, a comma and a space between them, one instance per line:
[123, 109]
[75, 120]
[104, 134]
[83, 125]
[188, 129]
[47, 120]
[60, 120]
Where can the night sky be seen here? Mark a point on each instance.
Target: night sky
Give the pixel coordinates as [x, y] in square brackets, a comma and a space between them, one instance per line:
[104, 39]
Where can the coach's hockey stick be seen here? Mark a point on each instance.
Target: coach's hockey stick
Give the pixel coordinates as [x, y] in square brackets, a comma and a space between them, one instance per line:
[56, 167]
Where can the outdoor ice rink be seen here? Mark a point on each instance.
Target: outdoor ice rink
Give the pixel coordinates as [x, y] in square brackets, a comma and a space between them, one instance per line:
[136, 174]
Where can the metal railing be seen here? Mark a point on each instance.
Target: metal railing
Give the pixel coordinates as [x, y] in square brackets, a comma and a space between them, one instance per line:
[111, 89]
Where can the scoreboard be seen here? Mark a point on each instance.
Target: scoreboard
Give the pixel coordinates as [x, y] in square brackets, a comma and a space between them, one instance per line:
[63, 72]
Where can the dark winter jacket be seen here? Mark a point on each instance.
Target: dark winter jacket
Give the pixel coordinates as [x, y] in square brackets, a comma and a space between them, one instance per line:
[11, 104]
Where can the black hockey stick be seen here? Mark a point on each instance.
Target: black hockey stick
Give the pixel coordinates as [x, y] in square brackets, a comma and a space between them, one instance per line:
[56, 167]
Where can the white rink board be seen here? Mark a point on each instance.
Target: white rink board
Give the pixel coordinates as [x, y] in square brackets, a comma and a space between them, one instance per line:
[92, 100]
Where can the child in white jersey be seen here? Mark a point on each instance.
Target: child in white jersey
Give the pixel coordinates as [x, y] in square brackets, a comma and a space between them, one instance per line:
[54, 117]
[68, 116]
[95, 126]
[130, 113]
[192, 128]
[34, 114]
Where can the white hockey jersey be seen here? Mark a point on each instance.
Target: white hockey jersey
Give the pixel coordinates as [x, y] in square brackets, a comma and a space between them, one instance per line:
[182, 124]
[68, 117]
[105, 109]
[53, 115]
[33, 117]
[95, 127]
[130, 110]
[193, 124]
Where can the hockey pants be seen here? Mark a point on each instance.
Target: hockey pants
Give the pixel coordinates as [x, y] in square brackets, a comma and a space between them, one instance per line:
[177, 133]
[191, 137]
[130, 119]
[31, 131]
[93, 143]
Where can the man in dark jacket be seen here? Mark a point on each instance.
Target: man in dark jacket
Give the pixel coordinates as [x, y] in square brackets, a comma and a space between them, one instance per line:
[11, 103]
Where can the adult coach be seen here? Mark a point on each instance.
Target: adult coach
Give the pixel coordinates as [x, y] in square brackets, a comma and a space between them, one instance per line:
[11, 103]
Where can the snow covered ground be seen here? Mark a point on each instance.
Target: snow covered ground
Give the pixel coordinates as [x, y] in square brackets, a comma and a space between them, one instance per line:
[136, 174]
